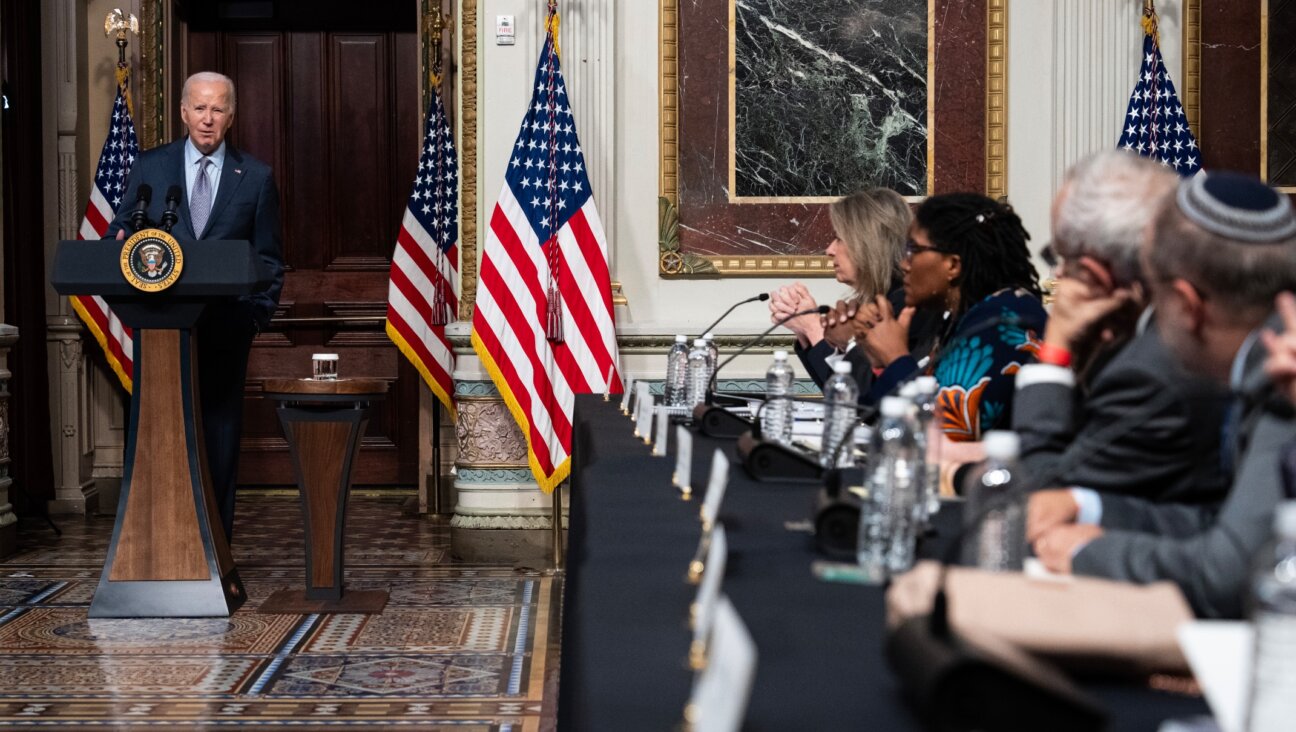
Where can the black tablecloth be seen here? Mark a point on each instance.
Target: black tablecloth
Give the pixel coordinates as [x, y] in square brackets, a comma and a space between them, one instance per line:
[625, 635]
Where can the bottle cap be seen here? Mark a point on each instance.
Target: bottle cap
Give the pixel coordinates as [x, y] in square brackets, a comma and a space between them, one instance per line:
[909, 390]
[699, 343]
[1285, 519]
[681, 339]
[707, 336]
[842, 367]
[1001, 445]
[895, 406]
[780, 355]
[927, 384]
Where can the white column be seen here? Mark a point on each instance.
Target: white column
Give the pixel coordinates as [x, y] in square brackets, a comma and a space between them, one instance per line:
[74, 491]
[1071, 67]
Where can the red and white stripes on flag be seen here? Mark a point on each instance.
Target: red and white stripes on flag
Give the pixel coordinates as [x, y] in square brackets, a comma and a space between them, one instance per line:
[423, 295]
[545, 237]
[119, 152]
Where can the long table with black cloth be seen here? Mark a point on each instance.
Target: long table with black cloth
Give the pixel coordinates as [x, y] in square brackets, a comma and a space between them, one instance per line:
[625, 634]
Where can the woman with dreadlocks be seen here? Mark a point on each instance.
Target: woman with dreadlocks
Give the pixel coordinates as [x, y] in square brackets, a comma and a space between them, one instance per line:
[966, 257]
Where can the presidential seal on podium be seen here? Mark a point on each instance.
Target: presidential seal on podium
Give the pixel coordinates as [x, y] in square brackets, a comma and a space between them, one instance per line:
[151, 260]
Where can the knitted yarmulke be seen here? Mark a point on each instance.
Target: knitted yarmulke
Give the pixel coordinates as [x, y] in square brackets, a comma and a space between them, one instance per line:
[1237, 207]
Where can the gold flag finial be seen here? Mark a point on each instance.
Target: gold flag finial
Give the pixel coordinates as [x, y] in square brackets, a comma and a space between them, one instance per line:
[121, 23]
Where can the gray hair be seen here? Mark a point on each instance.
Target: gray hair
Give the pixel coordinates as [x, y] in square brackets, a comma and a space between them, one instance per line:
[1244, 277]
[1106, 203]
[209, 77]
[874, 225]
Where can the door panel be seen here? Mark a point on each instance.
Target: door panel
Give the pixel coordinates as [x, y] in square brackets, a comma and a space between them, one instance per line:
[337, 114]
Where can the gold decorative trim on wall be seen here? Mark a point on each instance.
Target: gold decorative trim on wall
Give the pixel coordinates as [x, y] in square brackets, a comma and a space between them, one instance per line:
[150, 82]
[1191, 96]
[468, 158]
[668, 71]
[996, 98]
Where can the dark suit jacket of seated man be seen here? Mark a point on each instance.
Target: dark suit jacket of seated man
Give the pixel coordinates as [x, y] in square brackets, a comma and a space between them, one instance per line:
[1172, 456]
[245, 206]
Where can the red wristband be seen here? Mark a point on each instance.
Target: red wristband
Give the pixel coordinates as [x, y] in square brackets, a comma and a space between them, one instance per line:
[1054, 355]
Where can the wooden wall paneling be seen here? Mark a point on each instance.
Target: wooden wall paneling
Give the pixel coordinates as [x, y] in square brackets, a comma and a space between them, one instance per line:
[256, 60]
[305, 180]
[359, 114]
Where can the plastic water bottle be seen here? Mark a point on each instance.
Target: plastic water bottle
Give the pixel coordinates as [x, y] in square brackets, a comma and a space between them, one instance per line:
[998, 543]
[889, 518]
[776, 424]
[839, 421]
[713, 353]
[1272, 704]
[909, 392]
[925, 401]
[698, 375]
[677, 372]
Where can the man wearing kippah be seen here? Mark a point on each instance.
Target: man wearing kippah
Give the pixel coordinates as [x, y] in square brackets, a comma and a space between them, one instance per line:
[1221, 250]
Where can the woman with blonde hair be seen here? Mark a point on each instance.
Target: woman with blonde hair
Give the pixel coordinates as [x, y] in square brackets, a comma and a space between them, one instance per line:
[870, 230]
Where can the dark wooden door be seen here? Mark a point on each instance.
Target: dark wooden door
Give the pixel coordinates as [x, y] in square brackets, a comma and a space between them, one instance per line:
[336, 112]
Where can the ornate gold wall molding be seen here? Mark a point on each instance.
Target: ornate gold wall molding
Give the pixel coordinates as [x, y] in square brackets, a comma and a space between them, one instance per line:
[1191, 90]
[468, 158]
[996, 98]
[150, 84]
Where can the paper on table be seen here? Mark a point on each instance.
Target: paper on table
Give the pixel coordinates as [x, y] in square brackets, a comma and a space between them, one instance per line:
[625, 396]
[659, 434]
[683, 459]
[715, 488]
[644, 412]
[1220, 655]
[717, 555]
[722, 689]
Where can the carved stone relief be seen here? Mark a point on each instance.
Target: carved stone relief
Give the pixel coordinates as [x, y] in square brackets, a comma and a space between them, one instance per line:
[488, 435]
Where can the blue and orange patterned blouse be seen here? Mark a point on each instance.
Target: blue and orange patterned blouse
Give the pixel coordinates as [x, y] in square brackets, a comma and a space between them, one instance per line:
[977, 368]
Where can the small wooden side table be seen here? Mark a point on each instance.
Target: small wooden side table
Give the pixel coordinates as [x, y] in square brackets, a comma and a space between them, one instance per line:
[324, 422]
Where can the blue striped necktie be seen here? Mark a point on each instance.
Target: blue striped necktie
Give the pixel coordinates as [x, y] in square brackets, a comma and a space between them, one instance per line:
[201, 201]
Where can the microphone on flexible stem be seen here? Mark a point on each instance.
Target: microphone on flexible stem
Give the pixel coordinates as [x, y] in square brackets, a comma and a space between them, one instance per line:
[169, 216]
[936, 666]
[718, 422]
[759, 298]
[139, 213]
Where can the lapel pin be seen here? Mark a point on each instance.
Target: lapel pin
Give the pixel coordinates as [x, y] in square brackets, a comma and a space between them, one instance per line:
[239, 171]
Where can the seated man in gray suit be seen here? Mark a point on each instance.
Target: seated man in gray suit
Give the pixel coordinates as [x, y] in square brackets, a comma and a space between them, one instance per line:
[1222, 248]
[1103, 358]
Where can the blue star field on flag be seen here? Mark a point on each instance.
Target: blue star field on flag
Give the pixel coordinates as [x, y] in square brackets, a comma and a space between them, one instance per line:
[119, 152]
[435, 198]
[547, 168]
[1155, 126]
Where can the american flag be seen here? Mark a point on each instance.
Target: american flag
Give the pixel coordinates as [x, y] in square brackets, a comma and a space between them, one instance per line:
[1155, 125]
[546, 230]
[119, 152]
[423, 295]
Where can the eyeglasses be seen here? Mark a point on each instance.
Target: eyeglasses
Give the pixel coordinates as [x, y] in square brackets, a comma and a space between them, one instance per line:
[912, 248]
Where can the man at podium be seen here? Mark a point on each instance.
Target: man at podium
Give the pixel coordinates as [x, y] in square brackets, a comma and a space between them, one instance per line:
[224, 194]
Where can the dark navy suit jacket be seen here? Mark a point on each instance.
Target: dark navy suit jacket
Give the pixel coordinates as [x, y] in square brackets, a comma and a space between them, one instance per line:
[246, 207]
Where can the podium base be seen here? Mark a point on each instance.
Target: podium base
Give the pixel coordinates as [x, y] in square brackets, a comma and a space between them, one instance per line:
[213, 598]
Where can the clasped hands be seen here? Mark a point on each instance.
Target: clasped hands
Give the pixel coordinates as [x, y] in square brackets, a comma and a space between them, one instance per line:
[874, 326]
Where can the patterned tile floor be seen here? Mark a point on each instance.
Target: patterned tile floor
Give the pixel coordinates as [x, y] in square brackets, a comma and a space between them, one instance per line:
[459, 646]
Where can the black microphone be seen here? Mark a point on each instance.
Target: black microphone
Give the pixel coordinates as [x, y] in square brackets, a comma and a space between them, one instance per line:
[169, 216]
[717, 422]
[821, 310]
[759, 298]
[139, 214]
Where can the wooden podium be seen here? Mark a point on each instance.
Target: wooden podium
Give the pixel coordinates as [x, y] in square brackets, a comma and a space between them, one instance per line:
[324, 422]
[169, 556]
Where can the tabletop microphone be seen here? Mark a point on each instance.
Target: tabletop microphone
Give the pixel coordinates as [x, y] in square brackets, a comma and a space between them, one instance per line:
[759, 298]
[719, 422]
[169, 216]
[139, 213]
